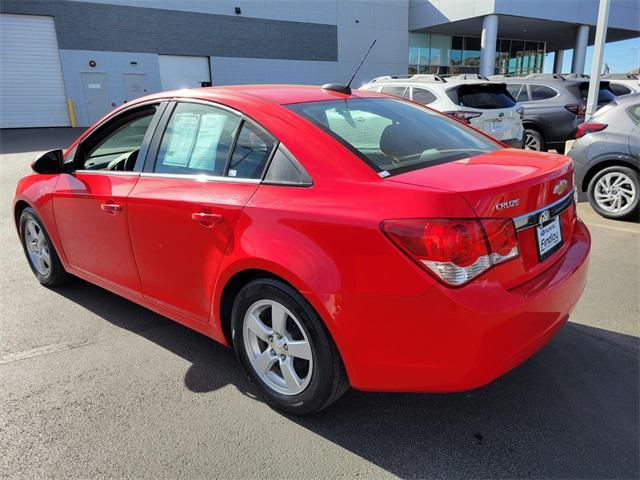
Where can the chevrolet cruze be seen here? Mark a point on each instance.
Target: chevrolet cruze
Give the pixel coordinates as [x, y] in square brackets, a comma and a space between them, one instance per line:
[333, 238]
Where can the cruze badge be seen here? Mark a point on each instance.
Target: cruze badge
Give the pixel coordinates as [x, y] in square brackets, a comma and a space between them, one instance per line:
[560, 187]
[544, 216]
[509, 204]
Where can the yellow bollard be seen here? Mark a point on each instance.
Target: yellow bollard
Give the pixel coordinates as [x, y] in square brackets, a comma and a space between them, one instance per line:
[72, 112]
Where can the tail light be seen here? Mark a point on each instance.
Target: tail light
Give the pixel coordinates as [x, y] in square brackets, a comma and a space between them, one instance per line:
[455, 250]
[576, 109]
[464, 117]
[585, 128]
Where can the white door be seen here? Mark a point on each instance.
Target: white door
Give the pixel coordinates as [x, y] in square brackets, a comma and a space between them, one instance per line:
[96, 96]
[179, 71]
[32, 91]
[135, 85]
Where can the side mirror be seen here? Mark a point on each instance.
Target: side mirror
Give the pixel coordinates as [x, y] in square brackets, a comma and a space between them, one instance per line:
[49, 162]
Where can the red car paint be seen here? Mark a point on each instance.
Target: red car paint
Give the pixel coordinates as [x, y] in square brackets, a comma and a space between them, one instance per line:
[396, 327]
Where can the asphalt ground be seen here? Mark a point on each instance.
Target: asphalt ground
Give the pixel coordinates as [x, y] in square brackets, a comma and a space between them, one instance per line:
[92, 385]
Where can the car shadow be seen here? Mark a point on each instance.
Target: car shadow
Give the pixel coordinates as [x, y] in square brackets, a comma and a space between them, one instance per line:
[571, 411]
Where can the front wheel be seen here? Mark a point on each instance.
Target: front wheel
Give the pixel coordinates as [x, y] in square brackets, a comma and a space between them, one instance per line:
[40, 252]
[285, 348]
[614, 192]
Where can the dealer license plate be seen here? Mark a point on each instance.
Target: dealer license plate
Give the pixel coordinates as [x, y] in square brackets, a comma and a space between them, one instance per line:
[549, 237]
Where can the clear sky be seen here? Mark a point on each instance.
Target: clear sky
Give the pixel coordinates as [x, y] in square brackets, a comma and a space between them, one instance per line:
[619, 55]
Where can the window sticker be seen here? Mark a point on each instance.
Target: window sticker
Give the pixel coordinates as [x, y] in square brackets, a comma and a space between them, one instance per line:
[182, 135]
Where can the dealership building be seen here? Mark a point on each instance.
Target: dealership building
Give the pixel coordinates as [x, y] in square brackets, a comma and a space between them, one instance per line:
[65, 62]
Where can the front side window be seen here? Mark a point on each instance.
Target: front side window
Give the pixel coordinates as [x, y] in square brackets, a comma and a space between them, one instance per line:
[115, 145]
[197, 140]
[393, 136]
[540, 92]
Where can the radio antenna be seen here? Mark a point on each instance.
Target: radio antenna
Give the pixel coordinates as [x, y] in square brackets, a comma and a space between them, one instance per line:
[346, 89]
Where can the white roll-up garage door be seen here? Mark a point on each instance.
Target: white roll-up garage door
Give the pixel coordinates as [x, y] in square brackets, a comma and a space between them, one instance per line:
[31, 86]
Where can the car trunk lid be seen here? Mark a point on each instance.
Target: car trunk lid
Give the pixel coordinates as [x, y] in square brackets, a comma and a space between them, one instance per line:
[513, 184]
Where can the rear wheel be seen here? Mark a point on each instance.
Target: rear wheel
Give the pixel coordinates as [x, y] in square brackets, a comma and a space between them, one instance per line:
[41, 254]
[285, 348]
[614, 192]
[533, 140]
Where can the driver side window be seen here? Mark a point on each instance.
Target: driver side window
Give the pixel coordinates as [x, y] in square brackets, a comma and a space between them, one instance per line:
[117, 144]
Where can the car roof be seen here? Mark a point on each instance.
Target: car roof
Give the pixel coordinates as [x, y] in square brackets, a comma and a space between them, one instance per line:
[278, 94]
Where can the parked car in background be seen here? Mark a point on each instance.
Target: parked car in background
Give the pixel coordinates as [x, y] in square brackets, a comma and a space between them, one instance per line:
[553, 107]
[606, 158]
[623, 83]
[483, 104]
[331, 238]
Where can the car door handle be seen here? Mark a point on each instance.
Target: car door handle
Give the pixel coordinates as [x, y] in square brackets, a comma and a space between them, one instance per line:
[207, 220]
[111, 208]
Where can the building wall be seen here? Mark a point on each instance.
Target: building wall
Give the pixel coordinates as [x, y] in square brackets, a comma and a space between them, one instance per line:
[114, 64]
[272, 41]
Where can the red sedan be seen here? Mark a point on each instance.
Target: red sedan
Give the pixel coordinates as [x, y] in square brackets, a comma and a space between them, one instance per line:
[332, 239]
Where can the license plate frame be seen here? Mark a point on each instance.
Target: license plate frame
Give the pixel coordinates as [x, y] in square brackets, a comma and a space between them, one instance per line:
[497, 126]
[549, 229]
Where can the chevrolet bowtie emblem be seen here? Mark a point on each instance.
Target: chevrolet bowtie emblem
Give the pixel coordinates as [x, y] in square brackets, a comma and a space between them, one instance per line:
[560, 187]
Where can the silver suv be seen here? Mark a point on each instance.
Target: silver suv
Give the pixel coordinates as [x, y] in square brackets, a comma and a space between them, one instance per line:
[480, 103]
[554, 106]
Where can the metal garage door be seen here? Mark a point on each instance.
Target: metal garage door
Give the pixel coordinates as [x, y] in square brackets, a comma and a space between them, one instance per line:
[31, 87]
[179, 71]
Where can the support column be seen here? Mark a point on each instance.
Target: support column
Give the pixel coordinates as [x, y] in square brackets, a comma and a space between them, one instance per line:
[557, 61]
[580, 49]
[488, 44]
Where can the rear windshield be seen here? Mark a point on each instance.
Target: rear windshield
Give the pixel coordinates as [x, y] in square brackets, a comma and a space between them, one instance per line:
[487, 96]
[605, 95]
[393, 136]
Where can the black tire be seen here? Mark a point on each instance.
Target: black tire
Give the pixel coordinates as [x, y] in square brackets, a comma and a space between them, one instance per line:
[632, 212]
[534, 137]
[56, 274]
[328, 380]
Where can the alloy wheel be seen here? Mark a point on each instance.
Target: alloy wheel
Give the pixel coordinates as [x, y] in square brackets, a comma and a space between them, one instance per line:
[531, 142]
[614, 192]
[277, 346]
[37, 247]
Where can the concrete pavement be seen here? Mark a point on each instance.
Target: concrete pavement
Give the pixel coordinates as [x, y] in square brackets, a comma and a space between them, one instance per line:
[92, 385]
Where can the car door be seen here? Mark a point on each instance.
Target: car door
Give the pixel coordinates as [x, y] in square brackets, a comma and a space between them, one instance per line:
[90, 204]
[204, 165]
[634, 137]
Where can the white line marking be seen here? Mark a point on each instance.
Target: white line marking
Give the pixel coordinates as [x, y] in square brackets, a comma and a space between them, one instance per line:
[609, 227]
[44, 350]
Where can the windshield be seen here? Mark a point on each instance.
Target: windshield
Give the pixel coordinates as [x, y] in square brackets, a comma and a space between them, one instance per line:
[394, 136]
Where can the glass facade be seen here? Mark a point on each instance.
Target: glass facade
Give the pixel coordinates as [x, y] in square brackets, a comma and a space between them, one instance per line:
[454, 54]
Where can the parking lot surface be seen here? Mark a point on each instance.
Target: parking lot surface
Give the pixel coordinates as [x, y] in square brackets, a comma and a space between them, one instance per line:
[92, 385]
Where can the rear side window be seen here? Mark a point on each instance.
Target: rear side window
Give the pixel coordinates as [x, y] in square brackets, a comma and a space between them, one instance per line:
[634, 111]
[251, 152]
[619, 89]
[482, 95]
[604, 94]
[393, 136]
[393, 90]
[541, 92]
[518, 91]
[423, 96]
[284, 169]
[197, 140]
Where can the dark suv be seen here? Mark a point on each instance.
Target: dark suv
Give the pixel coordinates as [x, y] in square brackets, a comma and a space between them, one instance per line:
[554, 106]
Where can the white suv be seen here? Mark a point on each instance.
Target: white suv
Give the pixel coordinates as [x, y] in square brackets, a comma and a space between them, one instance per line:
[472, 99]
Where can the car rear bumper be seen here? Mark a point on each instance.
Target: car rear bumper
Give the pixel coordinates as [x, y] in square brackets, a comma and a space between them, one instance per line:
[456, 339]
[514, 142]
